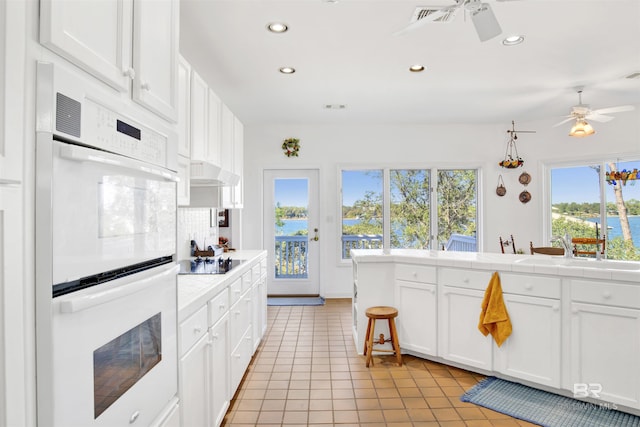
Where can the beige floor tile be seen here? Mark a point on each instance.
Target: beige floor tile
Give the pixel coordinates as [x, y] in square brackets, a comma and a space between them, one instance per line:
[307, 372]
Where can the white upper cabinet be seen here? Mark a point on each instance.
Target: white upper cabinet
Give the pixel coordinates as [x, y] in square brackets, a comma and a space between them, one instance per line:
[131, 45]
[199, 117]
[184, 107]
[215, 129]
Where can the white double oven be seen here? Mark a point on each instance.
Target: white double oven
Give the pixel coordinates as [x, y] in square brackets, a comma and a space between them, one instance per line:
[105, 256]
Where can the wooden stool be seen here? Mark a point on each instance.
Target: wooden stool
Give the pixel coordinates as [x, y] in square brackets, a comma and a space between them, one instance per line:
[381, 312]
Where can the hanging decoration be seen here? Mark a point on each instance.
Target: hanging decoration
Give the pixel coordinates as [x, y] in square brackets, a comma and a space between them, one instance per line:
[291, 147]
[622, 176]
[511, 158]
[524, 179]
[500, 189]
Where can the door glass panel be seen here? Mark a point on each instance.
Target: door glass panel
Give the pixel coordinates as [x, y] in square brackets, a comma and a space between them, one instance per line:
[457, 210]
[361, 210]
[291, 204]
[410, 208]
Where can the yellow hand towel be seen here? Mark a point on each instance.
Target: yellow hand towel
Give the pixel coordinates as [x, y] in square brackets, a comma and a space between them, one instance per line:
[494, 318]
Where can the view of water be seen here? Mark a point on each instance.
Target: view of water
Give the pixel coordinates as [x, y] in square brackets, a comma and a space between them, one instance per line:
[613, 222]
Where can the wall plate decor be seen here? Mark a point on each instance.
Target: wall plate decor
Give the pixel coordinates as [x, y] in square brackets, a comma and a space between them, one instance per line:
[525, 196]
[524, 178]
[501, 190]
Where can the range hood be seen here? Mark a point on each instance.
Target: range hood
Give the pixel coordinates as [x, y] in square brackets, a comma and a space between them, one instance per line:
[205, 174]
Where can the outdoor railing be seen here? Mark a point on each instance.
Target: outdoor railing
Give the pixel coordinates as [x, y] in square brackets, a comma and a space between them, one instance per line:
[291, 253]
[291, 257]
[360, 241]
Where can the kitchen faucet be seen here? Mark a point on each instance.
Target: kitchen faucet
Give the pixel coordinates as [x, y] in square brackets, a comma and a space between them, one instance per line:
[565, 241]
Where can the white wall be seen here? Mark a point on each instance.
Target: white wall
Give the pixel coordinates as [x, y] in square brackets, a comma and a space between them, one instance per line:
[327, 147]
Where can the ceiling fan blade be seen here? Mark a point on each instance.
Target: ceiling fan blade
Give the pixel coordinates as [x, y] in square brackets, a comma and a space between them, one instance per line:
[609, 110]
[597, 117]
[564, 121]
[485, 22]
[423, 21]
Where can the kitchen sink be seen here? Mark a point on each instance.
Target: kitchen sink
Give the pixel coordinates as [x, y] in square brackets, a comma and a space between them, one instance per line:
[580, 263]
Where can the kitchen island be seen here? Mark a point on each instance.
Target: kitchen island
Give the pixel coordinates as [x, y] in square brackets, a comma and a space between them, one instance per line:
[576, 322]
[221, 321]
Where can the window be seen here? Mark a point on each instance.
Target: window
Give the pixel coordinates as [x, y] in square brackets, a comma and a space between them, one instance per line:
[406, 197]
[599, 199]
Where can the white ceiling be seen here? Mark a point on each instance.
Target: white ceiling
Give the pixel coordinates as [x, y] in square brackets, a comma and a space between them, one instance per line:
[345, 53]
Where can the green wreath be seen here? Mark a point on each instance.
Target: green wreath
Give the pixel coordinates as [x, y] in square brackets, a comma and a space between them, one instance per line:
[291, 146]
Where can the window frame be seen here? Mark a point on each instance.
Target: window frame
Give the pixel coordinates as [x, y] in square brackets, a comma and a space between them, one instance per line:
[433, 168]
[599, 160]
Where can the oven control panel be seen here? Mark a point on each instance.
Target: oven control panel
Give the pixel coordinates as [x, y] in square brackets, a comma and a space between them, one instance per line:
[108, 130]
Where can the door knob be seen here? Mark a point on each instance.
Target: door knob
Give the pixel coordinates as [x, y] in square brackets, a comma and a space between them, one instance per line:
[316, 238]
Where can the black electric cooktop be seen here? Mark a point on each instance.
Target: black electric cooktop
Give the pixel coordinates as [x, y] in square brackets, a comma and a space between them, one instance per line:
[217, 265]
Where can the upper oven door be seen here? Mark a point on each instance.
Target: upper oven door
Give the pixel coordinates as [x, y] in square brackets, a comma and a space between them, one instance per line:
[108, 212]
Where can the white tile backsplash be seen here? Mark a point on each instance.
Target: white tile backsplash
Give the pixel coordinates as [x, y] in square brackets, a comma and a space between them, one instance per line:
[196, 224]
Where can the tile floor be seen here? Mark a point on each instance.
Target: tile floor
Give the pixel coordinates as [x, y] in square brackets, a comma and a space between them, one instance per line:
[307, 372]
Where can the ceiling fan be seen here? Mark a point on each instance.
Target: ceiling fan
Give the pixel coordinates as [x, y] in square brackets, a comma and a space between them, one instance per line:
[583, 112]
[482, 16]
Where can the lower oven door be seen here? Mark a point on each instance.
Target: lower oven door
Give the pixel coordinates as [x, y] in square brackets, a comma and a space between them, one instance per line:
[113, 358]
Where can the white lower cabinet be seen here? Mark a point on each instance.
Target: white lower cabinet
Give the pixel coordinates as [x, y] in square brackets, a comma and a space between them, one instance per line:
[220, 391]
[416, 301]
[532, 351]
[460, 339]
[194, 384]
[217, 342]
[605, 341]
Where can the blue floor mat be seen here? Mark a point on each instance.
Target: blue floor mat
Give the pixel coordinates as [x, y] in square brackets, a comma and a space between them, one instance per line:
[544, 408]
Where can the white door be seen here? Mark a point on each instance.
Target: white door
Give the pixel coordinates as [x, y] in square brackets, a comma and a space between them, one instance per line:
[291, 232]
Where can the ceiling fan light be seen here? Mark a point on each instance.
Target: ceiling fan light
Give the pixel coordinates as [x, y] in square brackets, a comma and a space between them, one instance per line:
[581, 129]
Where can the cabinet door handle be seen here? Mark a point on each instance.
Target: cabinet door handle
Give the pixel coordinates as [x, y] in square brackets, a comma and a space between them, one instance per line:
[129, 72]
[145, 86]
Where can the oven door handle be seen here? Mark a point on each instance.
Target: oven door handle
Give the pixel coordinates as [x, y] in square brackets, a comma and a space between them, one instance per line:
[76, 303]
[83, 154]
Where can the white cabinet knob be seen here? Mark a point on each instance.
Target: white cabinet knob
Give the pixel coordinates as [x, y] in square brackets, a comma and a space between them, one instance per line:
[465, 280]
[528, 286]
[145, 86]
[433, 291]
[215, 336]
[556, 307]
[129, 72]
[606, 295]
[414, 274]
[134, 417]
[222, 307]
[197, 329]
[575, 310]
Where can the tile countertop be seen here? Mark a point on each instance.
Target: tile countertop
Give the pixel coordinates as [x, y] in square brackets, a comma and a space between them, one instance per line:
[194, 290]
[628, 271]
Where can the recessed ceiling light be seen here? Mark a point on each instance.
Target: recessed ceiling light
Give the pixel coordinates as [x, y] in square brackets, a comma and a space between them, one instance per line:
[513, 40]
[287, 70]
[277, 27]
[416, 68]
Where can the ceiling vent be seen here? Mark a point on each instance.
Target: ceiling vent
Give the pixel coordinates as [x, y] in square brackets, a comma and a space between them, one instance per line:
[422, 12]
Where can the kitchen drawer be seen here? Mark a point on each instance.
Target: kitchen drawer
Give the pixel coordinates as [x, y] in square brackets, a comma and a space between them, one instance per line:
[239, 319]
[537, 286]
[470, 279]
[218, 306]
[617, 294]
[192, 329]
[235, 290]
[246, 281]
[416, 273]
[263, 265]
